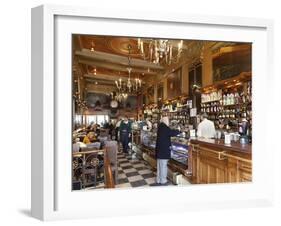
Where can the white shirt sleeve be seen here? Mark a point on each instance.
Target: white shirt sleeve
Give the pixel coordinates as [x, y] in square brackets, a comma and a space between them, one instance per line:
[199, 130]
[213, 130]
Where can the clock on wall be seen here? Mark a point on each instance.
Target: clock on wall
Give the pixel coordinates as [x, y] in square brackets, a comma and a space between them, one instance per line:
[113, 104]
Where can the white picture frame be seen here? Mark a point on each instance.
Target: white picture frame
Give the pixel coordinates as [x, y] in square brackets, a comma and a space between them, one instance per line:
[52, 27]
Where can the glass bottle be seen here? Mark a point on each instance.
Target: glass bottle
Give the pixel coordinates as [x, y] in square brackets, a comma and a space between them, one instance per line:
[224, 99]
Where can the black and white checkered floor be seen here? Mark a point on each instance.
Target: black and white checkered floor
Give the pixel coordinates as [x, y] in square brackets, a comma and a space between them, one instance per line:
[134, 172]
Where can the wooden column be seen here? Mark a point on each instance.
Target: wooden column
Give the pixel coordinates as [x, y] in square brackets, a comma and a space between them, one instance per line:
[165, 93]
[155, 93]
[207, 66]
[184, 80]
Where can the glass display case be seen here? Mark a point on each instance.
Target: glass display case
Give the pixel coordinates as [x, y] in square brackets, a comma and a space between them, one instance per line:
[179, 150]
[148, 139]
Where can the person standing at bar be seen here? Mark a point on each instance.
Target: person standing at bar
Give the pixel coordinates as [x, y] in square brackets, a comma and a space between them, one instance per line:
[163, 151]
[206, 128]
[125, 133]
[111, 128]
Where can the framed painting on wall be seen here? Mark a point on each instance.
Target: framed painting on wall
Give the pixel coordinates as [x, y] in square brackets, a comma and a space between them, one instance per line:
[228, 64]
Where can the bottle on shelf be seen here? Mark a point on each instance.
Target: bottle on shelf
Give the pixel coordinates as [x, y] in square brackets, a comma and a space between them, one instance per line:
[224, 100]
[228, 99]
[231, 97]
[236, 98]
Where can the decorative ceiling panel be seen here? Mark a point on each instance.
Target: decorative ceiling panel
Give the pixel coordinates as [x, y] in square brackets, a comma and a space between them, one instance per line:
[111, 44]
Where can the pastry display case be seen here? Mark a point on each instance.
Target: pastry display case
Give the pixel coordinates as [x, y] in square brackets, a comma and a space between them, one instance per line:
[179, 152]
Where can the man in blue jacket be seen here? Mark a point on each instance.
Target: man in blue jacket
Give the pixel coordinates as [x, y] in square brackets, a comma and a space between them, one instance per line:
[163, 151]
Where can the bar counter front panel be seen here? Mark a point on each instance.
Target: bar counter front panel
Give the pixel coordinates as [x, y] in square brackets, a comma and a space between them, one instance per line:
[204, 161]
[213, 161]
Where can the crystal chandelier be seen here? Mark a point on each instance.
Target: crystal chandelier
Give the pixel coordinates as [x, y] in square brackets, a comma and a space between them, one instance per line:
[129, 83]
[119, 96]
[133, 86]
[136, 85]
[160, 51]
[121, 93]
[129, 86]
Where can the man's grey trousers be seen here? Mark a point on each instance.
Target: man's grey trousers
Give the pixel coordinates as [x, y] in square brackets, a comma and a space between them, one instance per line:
[162, 171]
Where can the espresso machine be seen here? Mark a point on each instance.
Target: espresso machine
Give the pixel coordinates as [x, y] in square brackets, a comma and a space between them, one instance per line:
[243, 131]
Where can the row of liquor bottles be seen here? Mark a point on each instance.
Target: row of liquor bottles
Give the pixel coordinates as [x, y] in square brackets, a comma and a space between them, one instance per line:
[217, 107]
[238, 98]
[228, 107]
[228, 111]
[180, 114]
[231, 113]
[165, 108]
[229, 99]
[178, 108]
[226, 97]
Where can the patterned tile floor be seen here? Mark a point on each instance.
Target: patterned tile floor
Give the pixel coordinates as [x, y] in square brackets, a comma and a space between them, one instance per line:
[134, 172]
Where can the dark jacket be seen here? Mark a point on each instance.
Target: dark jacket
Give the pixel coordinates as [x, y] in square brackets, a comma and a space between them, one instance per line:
[163, 141]
[125, 127]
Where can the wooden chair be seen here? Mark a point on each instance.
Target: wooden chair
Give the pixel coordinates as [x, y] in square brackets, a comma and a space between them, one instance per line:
[112, 150]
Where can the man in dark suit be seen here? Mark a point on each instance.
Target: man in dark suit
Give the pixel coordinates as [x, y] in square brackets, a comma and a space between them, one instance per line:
[163, 151]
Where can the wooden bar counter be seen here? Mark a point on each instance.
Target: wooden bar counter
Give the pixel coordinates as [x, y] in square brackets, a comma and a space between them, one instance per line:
[213, 161]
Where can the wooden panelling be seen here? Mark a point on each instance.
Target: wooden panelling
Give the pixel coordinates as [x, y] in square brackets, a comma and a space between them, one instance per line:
[184, 79]
[174, 84]
[212, 164]
[109, 180]
[207, 66]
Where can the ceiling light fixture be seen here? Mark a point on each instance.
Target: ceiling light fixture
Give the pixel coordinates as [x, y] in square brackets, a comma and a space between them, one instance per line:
[132, 85]
[160, 50]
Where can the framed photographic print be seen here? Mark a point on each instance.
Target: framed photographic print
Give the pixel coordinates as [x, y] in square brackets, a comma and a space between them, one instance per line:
[98, 151]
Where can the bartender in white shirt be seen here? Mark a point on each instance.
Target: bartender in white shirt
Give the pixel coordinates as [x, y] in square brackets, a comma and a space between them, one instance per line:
[206, 128]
